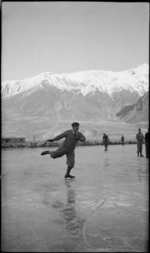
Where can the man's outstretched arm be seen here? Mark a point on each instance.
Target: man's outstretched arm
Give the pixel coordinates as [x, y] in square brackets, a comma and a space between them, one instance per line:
[58, 137]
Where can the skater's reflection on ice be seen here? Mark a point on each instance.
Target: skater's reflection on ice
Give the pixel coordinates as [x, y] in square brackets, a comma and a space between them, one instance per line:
[73, 221]
[69, 211]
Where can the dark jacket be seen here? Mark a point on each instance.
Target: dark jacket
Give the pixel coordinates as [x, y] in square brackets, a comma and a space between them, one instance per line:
[105, 138]
[71, 139]
[139, 137]
[147, 137]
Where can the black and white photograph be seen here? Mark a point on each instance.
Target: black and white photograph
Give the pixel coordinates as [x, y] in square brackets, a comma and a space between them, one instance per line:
[75, 126]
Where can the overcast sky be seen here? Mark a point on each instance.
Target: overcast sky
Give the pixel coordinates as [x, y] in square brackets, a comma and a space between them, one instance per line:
[62, 37]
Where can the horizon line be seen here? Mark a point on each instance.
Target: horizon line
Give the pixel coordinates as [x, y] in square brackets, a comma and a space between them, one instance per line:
[61, 73]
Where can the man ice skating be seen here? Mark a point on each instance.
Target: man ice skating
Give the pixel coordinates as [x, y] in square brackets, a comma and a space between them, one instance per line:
[105, 141]
[140, 138]
[147, 144]
[71, 136]
[122, 140]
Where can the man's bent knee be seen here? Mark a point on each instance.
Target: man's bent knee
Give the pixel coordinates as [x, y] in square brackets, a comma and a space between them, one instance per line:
[55, 154]
[70, 164]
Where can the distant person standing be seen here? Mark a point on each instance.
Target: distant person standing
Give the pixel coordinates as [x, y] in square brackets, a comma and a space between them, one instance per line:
[105, 141]
[140, 139]
[67, 148]
[147, 143]
[122, 140]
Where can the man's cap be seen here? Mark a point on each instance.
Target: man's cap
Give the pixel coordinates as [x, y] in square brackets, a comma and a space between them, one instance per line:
[74, 124]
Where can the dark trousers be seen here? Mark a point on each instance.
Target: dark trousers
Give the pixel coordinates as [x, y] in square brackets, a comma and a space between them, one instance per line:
[139, 147]
[61, 151]
[147, 148]
[106, 145]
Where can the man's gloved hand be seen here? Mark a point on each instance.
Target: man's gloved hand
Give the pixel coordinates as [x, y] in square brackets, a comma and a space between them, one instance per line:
[77, 137]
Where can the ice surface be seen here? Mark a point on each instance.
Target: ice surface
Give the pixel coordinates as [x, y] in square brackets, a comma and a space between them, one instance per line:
[104, 209]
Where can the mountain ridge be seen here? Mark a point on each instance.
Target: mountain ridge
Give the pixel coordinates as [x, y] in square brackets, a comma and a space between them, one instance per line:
[86, 81]
[135, 112]
[49, 105]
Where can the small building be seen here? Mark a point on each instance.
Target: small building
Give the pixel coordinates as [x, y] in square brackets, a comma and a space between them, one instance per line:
[13, 140]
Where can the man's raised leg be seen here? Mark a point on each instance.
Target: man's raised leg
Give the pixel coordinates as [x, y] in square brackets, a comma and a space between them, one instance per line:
[47, 152]
[56, 153]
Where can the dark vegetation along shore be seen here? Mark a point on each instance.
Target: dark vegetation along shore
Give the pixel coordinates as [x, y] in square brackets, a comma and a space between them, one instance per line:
[56, 144]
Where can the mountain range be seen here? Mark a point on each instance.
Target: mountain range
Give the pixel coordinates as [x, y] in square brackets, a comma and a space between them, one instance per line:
[47, 104]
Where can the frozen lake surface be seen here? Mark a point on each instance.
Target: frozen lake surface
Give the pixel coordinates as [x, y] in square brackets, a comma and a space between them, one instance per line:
[104, 209]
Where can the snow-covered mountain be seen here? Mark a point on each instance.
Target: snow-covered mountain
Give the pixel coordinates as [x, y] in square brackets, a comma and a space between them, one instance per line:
[46, 104]
[137, 112]
[85, 81]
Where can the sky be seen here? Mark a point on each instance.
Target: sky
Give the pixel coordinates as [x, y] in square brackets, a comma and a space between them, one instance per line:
[65, 37]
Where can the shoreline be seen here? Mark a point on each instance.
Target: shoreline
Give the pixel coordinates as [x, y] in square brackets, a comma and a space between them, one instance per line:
[87, 143]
